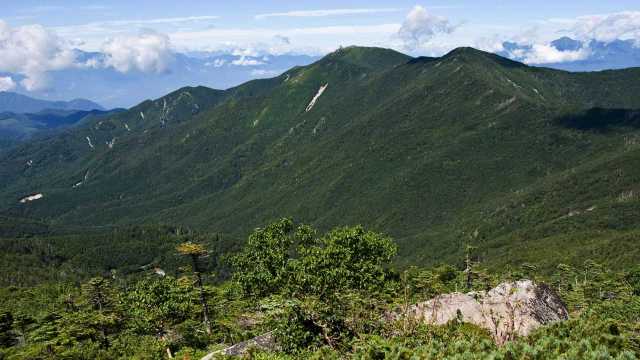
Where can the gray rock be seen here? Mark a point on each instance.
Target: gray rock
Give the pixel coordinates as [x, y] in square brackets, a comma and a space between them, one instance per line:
[264, 342]
[511, 309]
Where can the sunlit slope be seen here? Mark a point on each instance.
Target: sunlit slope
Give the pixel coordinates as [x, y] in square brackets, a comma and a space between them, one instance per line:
[438, 152]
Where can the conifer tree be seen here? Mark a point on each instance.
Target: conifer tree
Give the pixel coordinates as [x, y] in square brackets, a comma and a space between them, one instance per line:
[195, 252]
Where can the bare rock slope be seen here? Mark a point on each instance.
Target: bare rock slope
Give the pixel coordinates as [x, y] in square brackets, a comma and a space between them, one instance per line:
[508, 310]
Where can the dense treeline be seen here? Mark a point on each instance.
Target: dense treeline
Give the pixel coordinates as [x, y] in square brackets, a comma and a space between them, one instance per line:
[78, 255]
[321, 295]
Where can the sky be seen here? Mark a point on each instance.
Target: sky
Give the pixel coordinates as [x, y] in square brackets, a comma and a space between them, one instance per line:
[308, 25]
[38, 37]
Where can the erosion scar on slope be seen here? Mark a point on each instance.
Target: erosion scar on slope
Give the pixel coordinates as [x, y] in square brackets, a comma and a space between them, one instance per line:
[316, 97]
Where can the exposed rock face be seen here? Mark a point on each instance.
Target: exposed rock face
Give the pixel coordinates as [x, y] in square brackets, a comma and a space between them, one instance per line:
[508, 310]
[262, 342]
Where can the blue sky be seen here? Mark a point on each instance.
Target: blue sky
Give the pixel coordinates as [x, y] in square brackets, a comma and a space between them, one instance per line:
[38, 38]
[69, 12]
[194, 25]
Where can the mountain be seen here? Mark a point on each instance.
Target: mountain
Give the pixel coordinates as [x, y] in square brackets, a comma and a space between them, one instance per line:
[525, 163]
[15, 128]
[595, 55]
[18, 103]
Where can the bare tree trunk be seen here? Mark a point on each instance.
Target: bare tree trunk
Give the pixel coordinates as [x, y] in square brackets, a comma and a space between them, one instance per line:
[468, 271]
[203, 299]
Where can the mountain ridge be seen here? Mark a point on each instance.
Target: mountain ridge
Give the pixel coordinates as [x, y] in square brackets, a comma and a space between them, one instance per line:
[16, 128]
[466, 148]
[21, 104]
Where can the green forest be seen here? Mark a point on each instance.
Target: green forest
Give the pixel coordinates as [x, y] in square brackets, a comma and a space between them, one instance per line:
[176, 293]
[157, 232]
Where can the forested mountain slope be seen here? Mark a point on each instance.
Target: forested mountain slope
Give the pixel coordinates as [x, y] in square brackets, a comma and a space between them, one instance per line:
[470, 148]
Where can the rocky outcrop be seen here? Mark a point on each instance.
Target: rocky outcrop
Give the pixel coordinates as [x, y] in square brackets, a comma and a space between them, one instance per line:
[264, 342]
[510, 309]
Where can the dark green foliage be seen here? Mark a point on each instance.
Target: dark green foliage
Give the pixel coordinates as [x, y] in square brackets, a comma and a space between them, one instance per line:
[7, 335]
[602, 120]
[76, 256]
[17, 127]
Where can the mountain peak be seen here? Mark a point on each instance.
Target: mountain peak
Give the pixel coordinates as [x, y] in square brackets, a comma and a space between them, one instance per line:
[369, 57]
[470, 54]
[566, 43]
[465, 51]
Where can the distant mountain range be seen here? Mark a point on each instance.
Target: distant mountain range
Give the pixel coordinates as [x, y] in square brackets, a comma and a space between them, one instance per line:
[527, 164]
[22, 117]
[21, 104]
[595, 55]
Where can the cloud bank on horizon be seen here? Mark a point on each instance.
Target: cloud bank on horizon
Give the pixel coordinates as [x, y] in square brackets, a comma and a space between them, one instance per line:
[30, 52]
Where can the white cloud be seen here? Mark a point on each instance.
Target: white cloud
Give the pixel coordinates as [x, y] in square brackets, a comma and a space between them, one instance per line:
[265, 73]
[216, 63]
[147, 52]
[326, 12]
[489, 44]
[305, 40]
[609, 27]
[172, 20]
[91, 36]
[420, 26]
[246, 61]
[547, 54]
[6, 83]
[32, 51]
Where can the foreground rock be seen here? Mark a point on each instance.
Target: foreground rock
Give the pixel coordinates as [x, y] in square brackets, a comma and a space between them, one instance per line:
[511, 309]
[263, 342]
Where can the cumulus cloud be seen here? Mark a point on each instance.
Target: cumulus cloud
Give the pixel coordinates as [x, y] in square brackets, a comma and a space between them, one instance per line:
[420, 26]
[547, 54]
[216, 63]
[31, 51]
[147, 52]
[609, 27]
[7, 83]
[246, 61]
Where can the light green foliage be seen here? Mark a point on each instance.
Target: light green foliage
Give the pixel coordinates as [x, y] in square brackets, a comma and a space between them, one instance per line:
[327, 278]
[261, 268]
[278, 260]
[633, 278]
[157, 304]
[327, 296]
[348, 258]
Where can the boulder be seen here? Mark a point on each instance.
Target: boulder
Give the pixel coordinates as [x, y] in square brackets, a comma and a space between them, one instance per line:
[511, 309]
[264, 342]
